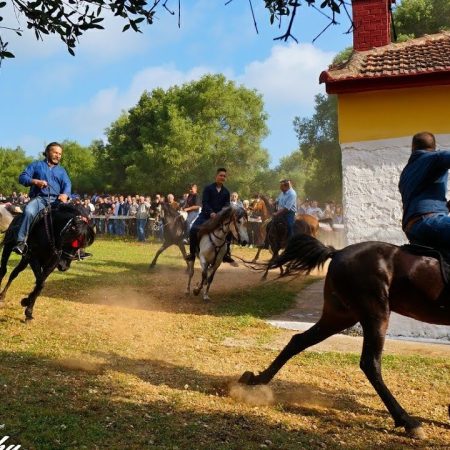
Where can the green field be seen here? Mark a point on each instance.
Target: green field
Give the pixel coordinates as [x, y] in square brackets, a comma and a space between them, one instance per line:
[119, 358]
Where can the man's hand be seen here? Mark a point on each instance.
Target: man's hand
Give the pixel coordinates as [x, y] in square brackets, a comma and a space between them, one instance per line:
[63, 198]
[39, 183]
[213, 215]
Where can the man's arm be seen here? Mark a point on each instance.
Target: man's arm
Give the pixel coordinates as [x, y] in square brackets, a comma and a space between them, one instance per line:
[206, 207]
[26, 177]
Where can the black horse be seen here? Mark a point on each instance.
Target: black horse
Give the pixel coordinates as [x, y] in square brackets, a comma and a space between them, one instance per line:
[174, 227]
[364, 283]
[54, 242]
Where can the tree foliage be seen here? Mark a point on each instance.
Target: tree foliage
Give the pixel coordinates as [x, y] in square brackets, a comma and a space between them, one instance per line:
[70, 19]
[415, 18]
[181, 135]
[12, 163]
[316, 166]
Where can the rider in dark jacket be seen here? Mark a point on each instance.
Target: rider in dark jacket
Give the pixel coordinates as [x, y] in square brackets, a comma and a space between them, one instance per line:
[423, 186]
[215, 198]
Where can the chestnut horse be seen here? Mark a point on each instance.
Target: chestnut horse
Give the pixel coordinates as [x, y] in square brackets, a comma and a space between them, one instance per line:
[364, 283]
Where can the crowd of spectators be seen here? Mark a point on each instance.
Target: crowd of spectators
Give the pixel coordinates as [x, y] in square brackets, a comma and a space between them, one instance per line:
[140, 215]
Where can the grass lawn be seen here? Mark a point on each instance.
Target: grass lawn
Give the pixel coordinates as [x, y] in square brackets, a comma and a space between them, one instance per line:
[119, 358]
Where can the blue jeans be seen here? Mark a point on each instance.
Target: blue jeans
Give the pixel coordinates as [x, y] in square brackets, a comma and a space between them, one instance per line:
[140, 228]
[290, 220]
[31, 211]
[192, 215]
[433, 231]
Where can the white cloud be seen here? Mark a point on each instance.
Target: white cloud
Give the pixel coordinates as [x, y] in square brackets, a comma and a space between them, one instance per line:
[91, 118]
[289, 76]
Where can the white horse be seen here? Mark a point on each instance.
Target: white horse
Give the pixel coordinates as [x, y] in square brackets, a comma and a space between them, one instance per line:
[213, 245]
[6, 217]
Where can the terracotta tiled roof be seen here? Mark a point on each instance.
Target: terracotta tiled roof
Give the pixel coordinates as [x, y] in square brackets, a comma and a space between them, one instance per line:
[426, 55]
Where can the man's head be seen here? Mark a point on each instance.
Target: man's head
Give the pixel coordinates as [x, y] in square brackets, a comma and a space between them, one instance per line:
[285, 184]
[53, 153]
[193, 188]
[170, 198]
[234, 197]
[424, 141]
[221, 175]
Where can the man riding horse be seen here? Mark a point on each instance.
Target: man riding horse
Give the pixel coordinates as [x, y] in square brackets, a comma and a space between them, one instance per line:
[287, 205]
[49, 182]
[215, 198]
[423, 186]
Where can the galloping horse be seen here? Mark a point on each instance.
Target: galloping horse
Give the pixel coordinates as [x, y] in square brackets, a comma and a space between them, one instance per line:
[54, 241]
[213, 244]
[275, 232]
[364, 283]
[174, 226]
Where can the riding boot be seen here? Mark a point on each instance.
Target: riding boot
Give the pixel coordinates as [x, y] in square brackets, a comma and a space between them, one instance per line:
[227, 257]
[193, 244]
[21, 248]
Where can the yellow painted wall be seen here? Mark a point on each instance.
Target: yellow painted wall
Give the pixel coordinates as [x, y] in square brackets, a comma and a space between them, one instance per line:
[367, 116]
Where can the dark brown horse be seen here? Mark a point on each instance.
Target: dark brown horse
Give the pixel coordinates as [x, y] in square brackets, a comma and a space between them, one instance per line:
[174, 227]
[276, 233]
[364, 283]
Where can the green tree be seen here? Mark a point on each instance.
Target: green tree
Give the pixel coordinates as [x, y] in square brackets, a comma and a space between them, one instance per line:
[80, 164]
[415, 18]
[12, 163]
[315, 167]
[69, 20]
[174, 137]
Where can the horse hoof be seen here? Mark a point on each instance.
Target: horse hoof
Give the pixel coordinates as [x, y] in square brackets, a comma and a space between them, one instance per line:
[247, 378]
[206, 298]
[151, 266]
[24, 302]
[187, 293]
[416, 433]
[196, 291]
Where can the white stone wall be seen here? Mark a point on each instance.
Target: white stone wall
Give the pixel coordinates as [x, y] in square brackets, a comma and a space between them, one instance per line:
[371, 200]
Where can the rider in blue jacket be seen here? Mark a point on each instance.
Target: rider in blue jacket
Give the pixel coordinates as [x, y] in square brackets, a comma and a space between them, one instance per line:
[423, 186]
[48, 182]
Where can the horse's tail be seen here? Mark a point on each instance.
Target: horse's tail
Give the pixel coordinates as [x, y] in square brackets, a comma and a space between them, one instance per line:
[303, 253]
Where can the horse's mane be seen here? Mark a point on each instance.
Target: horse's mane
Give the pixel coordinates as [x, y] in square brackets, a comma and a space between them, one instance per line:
[212, 224]
[265, 199]
[169, 211]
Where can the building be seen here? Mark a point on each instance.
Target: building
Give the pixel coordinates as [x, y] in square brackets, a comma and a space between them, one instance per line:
[386, 92]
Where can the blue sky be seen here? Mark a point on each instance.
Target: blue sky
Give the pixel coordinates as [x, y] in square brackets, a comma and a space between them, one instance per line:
[47, 94]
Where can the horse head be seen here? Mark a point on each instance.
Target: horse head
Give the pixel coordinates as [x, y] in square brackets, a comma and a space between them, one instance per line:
[238, 225]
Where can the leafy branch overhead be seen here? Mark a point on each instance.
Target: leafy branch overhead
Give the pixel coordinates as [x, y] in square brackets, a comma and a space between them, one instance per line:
[70, 19]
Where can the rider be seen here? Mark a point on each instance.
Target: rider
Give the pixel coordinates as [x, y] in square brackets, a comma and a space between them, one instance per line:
[287, 205]
[215, 198]
[49, 182]
[192, 206]
[423, 186]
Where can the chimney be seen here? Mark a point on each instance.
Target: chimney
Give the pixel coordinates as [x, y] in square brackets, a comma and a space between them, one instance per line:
[372, 23]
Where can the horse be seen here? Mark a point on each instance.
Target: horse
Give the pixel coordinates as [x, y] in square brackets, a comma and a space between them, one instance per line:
[277, 234]
[213, 245]
[364, 283]
[7, 212]
[174, 228]
[54, 242]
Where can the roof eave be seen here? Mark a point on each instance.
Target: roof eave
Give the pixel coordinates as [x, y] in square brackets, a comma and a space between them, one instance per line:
[351, 85]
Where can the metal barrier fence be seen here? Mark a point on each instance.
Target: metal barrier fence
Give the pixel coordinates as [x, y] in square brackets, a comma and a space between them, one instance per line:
[127, 226]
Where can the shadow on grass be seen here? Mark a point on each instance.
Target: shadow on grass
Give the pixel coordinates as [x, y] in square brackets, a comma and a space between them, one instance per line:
[47, 406]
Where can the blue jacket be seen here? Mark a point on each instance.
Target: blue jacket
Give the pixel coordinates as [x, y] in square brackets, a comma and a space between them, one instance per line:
[423, 184]
[56, 177]
[213, 201]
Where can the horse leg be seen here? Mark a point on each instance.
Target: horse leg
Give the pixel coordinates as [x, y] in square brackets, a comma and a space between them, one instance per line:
[257, 254]
[19, 268]
[4, 265]
[199, 286]
[333, 321]
[374, 329]
[183, 252]
[190, 270]
[210, 279]
[41, 275]
[160, 250]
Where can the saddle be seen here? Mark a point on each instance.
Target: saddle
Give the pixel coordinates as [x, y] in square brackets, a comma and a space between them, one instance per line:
[442, 256]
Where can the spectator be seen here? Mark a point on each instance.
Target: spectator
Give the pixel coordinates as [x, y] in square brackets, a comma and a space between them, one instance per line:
[141, 218]
[234, 200]
[171, 202]
[314, 210]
